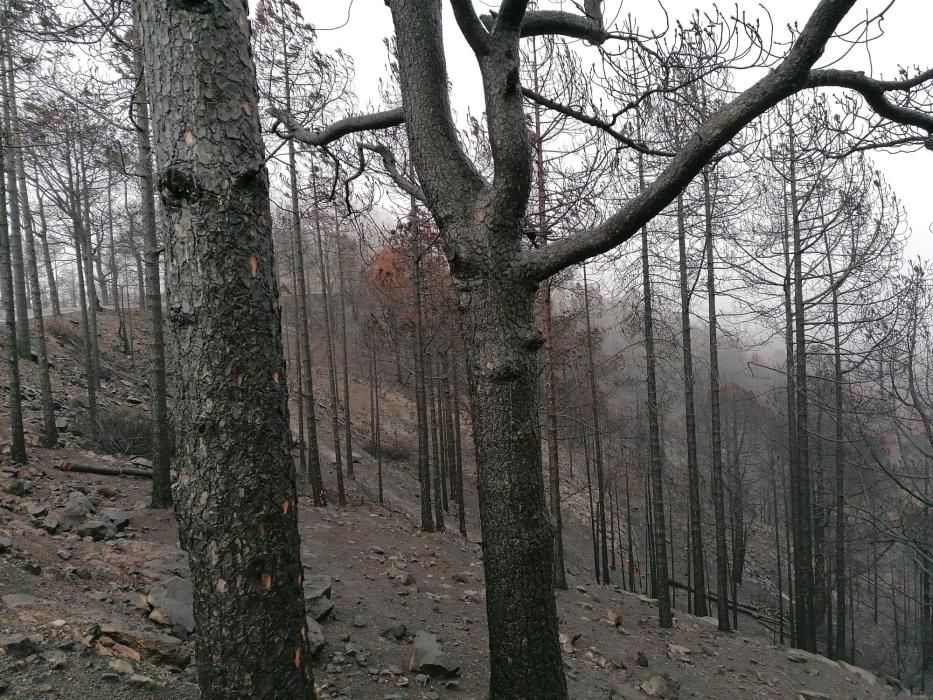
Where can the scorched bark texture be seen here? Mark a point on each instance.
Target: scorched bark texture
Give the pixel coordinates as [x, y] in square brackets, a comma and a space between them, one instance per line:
[235, 494]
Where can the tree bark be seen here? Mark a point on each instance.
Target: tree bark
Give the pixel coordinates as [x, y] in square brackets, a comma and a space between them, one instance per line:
[47, 259]
[235, 497]
[435, 447]
[342, 291]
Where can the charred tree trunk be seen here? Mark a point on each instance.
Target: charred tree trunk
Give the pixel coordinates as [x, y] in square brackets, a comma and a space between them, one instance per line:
[236, 498]
[329, 347]
[699, 597]
[719, 510]
[43, 234]
[14, 395]
[342, 291]
[49, 431]
[161, 439]
[435, 446]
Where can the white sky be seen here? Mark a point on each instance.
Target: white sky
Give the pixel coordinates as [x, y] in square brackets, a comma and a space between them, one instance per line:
[906, 42]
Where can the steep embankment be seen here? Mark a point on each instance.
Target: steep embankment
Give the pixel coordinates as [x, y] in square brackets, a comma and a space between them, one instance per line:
[96, 604]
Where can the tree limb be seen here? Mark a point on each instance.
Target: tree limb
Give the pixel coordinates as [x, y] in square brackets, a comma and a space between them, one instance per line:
[348, 125]
[391, 165]
[588, 26]
[594, 122]
[473, 30]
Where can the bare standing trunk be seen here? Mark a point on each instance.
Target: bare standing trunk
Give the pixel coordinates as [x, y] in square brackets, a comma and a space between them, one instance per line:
[722, 556]
[47, 258]
[602, 574]
[699, 597]
[235, 497]
[347, 418]
[329, 346]
[306, 389]
[424, 466]
[49, 431]
[803, 559]
[14, 229]
[161, 448]
[14, 395]
[433, 421]
[461, 511]
[656, 457]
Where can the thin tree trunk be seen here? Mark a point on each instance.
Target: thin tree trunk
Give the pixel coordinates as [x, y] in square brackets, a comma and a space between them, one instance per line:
[306, 392]
[699, 597]
[656, 457]
[424, 467]
[722, 556]
[14, 229]
[49, 431]
[341, 289]
[840, 488]
[299, 351]
[461, 497]
[14, 394]
[803, 564]
[602, 574]
[47, 258]
[435, 448]
[329, 347]
[161, 447]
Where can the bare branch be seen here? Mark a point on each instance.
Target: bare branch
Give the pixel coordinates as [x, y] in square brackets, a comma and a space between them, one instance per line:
[473, 30]
[391, 166]
[789, 77]
[588, 26]
[875, 94]
[594, 122]
[332, 132]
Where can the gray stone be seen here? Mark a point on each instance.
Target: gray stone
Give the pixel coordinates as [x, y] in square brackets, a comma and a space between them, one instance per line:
[174, 599]
[658, 686]
[96, 529]
[14, 487]
[359, 622]
[6, 544]
[316, 638]
[18, 600]
[18, 645]
[116, 517]
[122, 666]
[812, 695]
[428, 657]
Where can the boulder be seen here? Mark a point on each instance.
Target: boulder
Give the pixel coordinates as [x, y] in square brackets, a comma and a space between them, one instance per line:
[862, 673]
[96, 529]
[316, 638]
[658, 686]
[18, 600]
[172, 601]
[116, 517]
[428, 657]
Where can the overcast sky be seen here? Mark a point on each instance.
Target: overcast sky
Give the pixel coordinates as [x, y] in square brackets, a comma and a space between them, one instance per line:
[905, 42]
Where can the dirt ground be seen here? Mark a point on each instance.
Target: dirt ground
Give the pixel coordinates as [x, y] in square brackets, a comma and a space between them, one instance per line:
[76, 622]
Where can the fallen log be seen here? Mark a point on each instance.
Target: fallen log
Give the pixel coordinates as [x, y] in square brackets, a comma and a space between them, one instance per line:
[105, 470]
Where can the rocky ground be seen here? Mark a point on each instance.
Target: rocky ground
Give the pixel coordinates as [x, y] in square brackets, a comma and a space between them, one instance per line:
[95, 600]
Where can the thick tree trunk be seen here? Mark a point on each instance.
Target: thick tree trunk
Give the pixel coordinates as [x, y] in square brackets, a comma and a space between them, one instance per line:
[14, 394]
[722, 556]
[525, 659]
[161, 447]
[699, 597]
[235, 497]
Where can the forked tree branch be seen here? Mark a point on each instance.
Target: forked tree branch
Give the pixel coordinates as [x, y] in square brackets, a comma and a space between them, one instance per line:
[588, 26]
[391, 165]
[789, 77]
